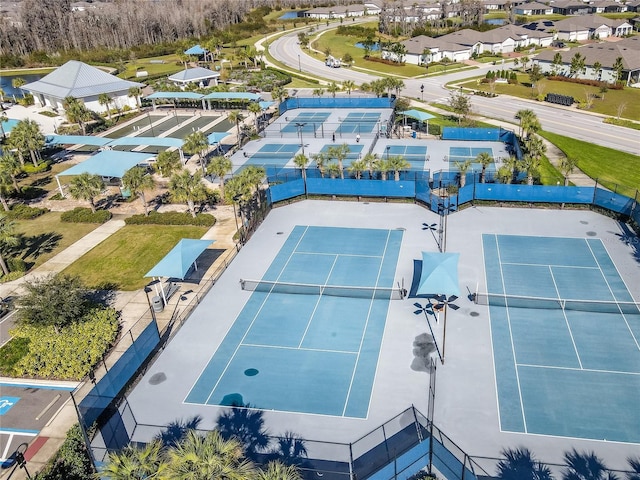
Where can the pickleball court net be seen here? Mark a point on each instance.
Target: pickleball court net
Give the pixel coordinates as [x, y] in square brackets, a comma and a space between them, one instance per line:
[374, 293]
[517, 301]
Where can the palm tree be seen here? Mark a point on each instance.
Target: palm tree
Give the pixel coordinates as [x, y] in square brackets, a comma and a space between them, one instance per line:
[333, 169]
[507, 172]
[321, 160]
[167, 162]
[426, 56]
[10, 166]
[484, 159]
[254, 176]
[17, 83]
[567, 166]
[137, 181]
[301, 161]
[188, 188]
[220, 166]
[634, 463]
[349, 85]
[197, 143]
[357, 167]
[279, 471]
[86, 187]
[77, 112]
[397, 163]
[333, 88]
[27, 137]
[3, 118]
[520, 464]
[279, 93]
[8, 238]
[371, 161]
[586, 466]
[340, 153]
[254, 107]
[104, 100]
[531, 166]
[5, 189]
[618, 67]
[463, 168]
[135, 92]
[529, 122]
[203, 457]
[236, 117]
[318, 92]
[383, 167]
[135, 463]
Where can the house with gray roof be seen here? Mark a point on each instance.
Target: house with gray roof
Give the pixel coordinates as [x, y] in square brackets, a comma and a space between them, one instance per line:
[603, 53]
[83, 82]
[423, 50]
[571, 7]
[587, 27]
[202, 77]
[337, 11]
[533, 8]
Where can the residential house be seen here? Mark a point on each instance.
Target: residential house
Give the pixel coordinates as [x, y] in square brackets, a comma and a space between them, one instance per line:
[423, 50]
[591, 27]
[83, 82]
[609, 6]
[337, 11]
[533, 8]
[571, 7]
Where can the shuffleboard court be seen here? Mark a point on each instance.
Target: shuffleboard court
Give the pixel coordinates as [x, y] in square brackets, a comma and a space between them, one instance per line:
[565, 333]
[293, 342]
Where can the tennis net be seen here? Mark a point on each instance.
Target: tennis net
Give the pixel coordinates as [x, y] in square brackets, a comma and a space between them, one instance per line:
[516, 301]
[374, 293]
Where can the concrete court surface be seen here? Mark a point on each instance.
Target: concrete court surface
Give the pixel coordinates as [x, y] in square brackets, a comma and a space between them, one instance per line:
[466, 400]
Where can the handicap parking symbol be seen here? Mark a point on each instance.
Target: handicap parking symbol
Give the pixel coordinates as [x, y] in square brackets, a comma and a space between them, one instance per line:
[6, 403]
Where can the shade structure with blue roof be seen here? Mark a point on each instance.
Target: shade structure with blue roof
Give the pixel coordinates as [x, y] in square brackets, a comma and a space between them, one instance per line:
[439, 274]
[196, 50]
[194, 75]
[216, 137]
[109, 163]
[155, 141]
[177, 263]
[76, 140]
[418, 115]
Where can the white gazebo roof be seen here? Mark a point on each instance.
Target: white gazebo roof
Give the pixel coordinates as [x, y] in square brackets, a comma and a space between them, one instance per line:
[79, 80]
[193, 75]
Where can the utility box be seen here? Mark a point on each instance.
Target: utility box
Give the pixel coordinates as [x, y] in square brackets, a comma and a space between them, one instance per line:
[157, 304]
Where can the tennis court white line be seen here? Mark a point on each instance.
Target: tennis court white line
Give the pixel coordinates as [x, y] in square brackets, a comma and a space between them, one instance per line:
[338, 254]
[578, 369]
[306, 349]
[315, 308]
[364, 332]
[513, 348]
[567, 437]
[566, 320]
[551, 265]
[613, 294]
[246, 331]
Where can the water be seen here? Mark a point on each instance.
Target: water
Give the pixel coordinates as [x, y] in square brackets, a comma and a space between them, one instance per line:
[8, 125]
[9, 91]
[289, 16]
[374, 48]
[496, 21]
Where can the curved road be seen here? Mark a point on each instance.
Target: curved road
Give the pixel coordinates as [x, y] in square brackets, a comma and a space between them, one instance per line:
[564, 121]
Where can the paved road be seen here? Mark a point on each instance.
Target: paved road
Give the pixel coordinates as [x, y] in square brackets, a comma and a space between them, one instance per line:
[565, 121]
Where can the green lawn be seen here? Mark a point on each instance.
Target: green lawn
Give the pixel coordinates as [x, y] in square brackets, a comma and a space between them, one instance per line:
[46, 236]
[171, 65]
[618, 171]
[122, 259]
[607, 106]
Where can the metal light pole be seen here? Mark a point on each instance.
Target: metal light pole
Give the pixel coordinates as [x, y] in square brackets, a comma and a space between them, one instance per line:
[388, 148]
[422, 92]
[444, 303]
[150, 125]
[428, 309]
[299, 64]
[21, 462]
[300, 126]
[235, 215]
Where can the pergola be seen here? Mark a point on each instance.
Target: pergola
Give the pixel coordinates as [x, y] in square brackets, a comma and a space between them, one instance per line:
[418, 115]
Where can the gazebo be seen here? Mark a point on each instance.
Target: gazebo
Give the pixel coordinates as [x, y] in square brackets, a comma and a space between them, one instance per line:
[199, 75]
[418, 115]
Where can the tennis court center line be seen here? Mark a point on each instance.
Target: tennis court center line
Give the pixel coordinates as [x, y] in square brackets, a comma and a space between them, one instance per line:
[513, 348]
[339, 254]
[566, 320]
[240, 343]
[611, 291]
[306, 349]
[315, 308]
[550, 265]
[594, 370]
[364, 332]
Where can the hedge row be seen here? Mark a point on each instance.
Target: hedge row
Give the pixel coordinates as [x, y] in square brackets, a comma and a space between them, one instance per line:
[21, 211]
[172, 218]
[85, 215]
[586, 81]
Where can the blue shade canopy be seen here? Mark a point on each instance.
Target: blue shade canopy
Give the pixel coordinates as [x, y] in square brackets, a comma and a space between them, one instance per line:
[172, 95]
[157, 141]
[417, 114]
[76, 140]
[195, 50]
[216, 137]
[110, 163]
[178, 261]
[232, 96]
[439, 274]
[264, 105]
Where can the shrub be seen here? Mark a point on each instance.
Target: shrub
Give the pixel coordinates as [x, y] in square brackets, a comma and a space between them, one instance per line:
[25, 212]
[85, 215]
[11, 277]
[11, 353]
[70, 354]
[71, 461]
[57, 196]
[586, 81]
[172, 218]
[16, 264]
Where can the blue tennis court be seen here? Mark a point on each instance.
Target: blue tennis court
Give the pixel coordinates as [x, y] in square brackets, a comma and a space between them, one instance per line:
[359, 122]
[308, 353]
[416, 155]
[307, 122]
[571, 369]
[462, 154]
[273, 156]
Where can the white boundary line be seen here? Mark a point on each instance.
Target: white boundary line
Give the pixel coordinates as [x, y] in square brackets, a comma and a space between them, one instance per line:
[566, 320]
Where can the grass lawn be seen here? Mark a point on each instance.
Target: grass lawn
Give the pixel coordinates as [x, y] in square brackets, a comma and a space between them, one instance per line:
[45, 180]
[46, 236]
[26, 71]
[607, 106]
[122, 259]
[171, 65]
[618, 171]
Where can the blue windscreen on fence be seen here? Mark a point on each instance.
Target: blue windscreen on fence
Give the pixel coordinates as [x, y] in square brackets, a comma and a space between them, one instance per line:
[284, 191]
[532, 193]
[613, 201]
[361, 188]
[406, 465]
[474, 134]
[118, 375]
[338, 102]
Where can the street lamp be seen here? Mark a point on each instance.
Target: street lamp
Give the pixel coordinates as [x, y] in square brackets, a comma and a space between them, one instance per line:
[388, 148]
[299, 64]
[444, 304]
[21, 462]
[427, 310]
[150, 124]
[300, 126]
[422, 92]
